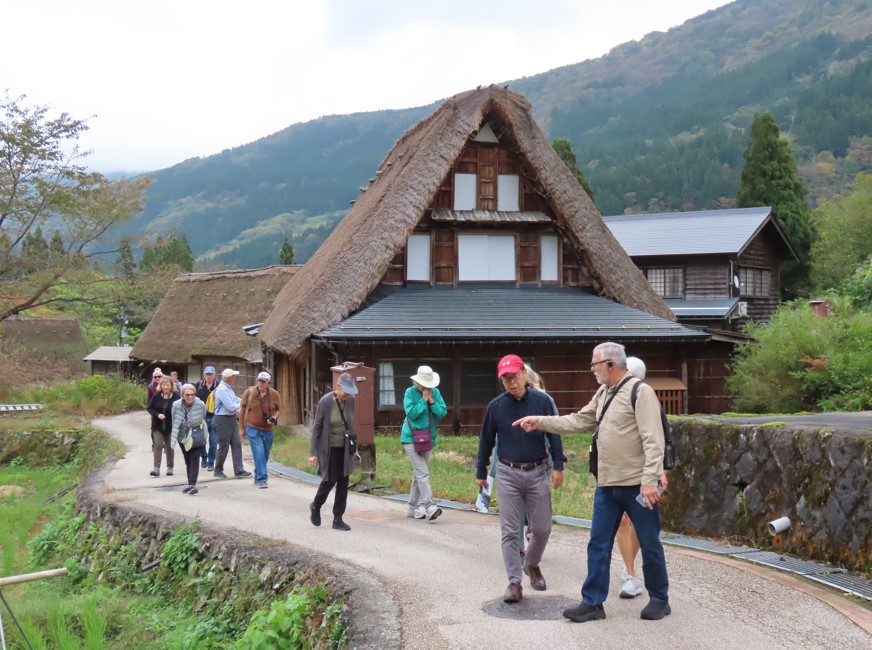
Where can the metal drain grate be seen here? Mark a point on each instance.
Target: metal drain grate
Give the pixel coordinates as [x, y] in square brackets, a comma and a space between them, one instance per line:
[851, 584]
[784, 562]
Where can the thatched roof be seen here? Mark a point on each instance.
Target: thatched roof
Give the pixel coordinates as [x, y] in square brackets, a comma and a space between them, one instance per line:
[353, 259]
[203, 314]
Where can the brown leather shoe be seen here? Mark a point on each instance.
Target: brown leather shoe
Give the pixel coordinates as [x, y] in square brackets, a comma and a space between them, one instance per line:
[537, 580]
[513, 593]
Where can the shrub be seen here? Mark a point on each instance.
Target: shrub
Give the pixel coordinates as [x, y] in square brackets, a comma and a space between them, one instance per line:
[92, 395]
[803, 361]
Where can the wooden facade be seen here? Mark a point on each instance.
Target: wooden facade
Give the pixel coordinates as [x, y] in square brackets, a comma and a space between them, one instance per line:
[469, 380]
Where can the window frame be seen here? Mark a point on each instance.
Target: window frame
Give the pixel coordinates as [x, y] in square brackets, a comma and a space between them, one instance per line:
[475, 254]
[664, 286]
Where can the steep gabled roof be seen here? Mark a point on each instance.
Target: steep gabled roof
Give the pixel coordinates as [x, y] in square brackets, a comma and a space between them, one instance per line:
[204, 313]
[706, 232]
[353, 259]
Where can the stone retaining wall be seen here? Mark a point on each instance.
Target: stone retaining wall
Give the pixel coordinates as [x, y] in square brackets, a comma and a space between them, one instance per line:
[733, 479]
[371, 615]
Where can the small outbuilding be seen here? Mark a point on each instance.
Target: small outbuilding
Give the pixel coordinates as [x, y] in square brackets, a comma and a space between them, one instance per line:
[111, 360]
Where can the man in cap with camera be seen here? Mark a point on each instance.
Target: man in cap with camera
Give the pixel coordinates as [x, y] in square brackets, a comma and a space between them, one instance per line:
[522, 472]
[258, 415]
[627, 460]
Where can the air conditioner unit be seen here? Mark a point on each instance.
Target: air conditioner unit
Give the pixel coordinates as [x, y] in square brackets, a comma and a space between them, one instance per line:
[742, 309]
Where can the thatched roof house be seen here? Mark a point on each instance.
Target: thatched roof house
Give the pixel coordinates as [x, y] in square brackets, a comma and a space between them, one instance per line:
[200, 320]
[472, 215]
[357, 254]
[46, 349]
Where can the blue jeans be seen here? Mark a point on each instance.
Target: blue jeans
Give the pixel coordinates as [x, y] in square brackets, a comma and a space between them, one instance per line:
[209, 456]
[261, 443]
[609, 504]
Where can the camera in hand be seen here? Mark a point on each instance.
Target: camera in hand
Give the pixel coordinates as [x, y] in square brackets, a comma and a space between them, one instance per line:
[269, 419]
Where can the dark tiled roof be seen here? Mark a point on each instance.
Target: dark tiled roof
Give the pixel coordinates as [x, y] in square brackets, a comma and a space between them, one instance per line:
[701, 308]
[478, 312]
[688, 233]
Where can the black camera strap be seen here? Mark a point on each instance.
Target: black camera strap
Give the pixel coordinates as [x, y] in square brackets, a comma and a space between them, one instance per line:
[609, 403]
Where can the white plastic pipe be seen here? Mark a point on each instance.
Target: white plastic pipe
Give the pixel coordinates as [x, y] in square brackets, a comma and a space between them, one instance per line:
[778, 525]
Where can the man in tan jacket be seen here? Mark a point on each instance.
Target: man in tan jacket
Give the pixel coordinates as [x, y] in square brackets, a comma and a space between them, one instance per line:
[629, 445]
[258, 415]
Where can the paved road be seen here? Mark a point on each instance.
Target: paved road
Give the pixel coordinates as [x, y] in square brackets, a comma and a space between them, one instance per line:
[443, 573]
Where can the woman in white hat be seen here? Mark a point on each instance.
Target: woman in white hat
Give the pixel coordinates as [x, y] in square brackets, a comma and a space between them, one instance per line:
[424, 406]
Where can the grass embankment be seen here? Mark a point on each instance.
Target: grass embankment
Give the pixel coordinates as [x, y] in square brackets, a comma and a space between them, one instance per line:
[452, 469]
[43, 455]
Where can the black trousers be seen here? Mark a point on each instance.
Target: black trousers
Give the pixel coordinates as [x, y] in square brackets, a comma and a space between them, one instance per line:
[192, 463]
[335, 467]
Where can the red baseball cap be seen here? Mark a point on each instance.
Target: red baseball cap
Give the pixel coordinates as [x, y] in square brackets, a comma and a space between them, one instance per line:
[509, 365]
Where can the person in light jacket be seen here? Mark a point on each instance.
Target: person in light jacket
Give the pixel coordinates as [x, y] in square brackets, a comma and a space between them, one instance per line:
[190, 411]
[333, 449]
[424, 406]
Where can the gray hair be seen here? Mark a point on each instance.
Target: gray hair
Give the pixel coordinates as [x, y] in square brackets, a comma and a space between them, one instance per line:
[534, 378]
[613, 351]
[636, 367]
[187, 386]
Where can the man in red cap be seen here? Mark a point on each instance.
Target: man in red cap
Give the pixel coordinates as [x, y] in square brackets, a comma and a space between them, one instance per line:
[521, 472]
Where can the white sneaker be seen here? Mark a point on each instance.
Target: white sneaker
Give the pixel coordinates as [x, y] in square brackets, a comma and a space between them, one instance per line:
[433, 511]
[632, 587]
[417, 513]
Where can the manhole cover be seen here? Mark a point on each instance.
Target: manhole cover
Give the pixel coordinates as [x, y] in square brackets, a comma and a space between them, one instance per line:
[534, 608]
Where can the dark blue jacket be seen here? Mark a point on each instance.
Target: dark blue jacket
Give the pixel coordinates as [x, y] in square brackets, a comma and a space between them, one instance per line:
[516, 445]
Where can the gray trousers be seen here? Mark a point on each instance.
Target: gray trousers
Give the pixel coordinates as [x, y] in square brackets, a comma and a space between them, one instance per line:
[227, 428]
[518, 489]
[421, 493]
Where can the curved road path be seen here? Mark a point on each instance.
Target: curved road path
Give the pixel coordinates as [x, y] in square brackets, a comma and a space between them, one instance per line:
[443, 573]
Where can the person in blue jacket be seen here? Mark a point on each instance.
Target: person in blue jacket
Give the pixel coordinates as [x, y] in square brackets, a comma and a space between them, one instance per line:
[424, 407]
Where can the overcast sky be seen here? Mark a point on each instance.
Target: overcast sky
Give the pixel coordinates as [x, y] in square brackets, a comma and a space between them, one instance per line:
[163, 81]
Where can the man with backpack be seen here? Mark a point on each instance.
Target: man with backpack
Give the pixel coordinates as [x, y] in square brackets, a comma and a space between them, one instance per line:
[206, 393]
[627, 460]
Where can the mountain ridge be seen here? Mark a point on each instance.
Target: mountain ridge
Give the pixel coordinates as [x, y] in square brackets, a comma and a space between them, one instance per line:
[657, 124]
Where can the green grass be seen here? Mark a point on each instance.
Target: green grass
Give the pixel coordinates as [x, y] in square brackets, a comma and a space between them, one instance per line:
[452, 469]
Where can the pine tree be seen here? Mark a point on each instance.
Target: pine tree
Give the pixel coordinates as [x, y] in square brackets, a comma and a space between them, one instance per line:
[286, 253]
[125, 265]
[564, 149]
[770, 177]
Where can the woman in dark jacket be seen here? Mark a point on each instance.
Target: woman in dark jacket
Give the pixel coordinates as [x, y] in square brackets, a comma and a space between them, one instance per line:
[332, 448]
[161, 409]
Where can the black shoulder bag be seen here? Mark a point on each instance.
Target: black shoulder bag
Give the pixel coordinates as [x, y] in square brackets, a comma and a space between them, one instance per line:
[350, 437]
[594, 454]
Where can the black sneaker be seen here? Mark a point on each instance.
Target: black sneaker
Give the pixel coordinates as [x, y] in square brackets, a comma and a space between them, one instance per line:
[169, 471]
[187, 489]
[154, 472]
[655, 610]
[243, 474]
[219, 474]
[314, 515]
[204, 464]
[338, 524]
[582, 613]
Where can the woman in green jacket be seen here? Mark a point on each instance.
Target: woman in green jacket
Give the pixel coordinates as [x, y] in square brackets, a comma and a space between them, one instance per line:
[424, 406]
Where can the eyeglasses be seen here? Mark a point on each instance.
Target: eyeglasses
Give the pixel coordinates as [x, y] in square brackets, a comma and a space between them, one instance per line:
[596, 363]
[511, 379]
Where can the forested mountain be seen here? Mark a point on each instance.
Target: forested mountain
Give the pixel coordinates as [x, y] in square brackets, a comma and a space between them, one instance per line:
[657, 124]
